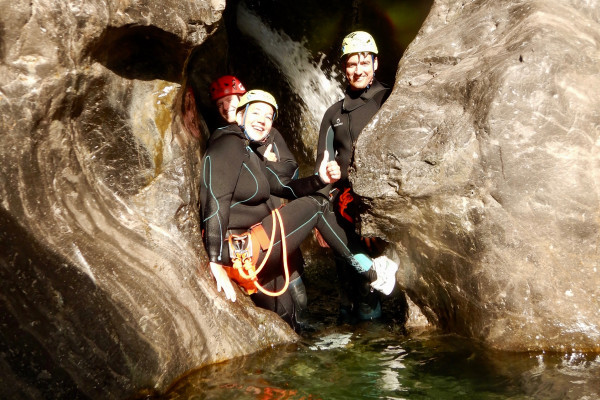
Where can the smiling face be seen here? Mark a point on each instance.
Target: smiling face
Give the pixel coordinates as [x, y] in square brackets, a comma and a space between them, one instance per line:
[360, 70]
[258, 120]
[227, 105]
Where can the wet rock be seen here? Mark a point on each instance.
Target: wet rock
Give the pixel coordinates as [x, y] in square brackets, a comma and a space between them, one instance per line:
[486, 160]
[102, 289]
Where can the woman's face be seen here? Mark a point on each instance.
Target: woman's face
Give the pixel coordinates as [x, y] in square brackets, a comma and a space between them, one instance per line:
[227, 105]
[258, 120]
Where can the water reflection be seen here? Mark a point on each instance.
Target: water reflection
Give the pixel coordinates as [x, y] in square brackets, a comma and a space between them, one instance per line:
[371, 361]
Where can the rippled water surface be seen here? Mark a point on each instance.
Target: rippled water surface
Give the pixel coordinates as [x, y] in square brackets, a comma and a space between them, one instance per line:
[370, 361]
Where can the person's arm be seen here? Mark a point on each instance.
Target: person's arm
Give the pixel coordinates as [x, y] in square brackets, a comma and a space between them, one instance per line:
[285, 157]
[326, 137]
[220, 172]
[281, 186]
[282, 169]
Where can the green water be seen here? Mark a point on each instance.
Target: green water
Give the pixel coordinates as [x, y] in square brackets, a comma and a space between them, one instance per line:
[372, 361]
[381, 360]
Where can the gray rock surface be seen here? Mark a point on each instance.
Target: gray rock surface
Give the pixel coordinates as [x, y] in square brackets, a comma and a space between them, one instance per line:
[484, 168]
[102, 289]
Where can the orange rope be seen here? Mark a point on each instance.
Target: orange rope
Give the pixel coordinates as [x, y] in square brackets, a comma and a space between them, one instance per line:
[276, 216]
[246, 264]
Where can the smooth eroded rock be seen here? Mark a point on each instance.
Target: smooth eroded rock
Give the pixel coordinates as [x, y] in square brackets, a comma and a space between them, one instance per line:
[484, 166]
[103, 289]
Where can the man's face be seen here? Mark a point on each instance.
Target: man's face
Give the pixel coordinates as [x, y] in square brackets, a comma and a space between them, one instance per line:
[227, 105]
[258, 120]
[360, 69]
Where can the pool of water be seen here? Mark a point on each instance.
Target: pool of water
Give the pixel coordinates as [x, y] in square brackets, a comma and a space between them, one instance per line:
[375, 361]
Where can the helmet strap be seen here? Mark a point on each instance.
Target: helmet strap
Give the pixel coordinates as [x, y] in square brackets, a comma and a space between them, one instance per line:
[372, 66]
[243, 124]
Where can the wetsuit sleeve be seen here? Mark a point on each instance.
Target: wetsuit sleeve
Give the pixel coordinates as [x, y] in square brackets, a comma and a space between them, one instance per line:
[326, 136]
[283, 173]
[326, 140]
[220, 171]
[288, 188]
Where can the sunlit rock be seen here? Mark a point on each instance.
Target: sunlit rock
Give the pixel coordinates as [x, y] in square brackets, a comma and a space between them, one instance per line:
[102, 289]
[484, 168]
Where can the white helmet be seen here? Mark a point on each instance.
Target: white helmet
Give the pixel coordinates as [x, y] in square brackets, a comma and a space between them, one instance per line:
[358, 42]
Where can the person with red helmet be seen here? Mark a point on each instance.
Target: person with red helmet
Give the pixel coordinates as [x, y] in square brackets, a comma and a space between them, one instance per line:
[226, 92]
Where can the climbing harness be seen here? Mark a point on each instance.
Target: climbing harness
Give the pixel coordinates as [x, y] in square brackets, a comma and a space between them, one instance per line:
[244, 251]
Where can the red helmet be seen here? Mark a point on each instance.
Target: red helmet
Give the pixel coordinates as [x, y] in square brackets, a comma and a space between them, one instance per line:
[224, 86]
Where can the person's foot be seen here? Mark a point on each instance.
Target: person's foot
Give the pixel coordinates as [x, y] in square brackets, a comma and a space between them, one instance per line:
[386, 275]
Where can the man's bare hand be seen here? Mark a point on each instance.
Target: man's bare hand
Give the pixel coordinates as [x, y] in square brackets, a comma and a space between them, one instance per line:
[329, 171]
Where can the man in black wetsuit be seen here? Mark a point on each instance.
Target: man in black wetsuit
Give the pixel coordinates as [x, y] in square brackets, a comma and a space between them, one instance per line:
[236, 185]
[225, 92]
[340, 128]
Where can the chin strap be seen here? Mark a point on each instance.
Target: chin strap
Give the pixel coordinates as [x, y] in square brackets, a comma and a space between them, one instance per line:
[372, 66]
[243, 124]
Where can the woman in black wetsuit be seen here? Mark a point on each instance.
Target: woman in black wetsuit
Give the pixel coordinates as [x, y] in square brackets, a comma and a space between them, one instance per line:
[237, 183]
[226, 92]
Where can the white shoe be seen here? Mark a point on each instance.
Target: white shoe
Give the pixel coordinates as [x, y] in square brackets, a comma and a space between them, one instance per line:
[386, 275]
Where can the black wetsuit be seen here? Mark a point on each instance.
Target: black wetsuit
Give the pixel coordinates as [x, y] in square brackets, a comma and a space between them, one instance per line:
[344, 121]
[235, 189]
[341, 125]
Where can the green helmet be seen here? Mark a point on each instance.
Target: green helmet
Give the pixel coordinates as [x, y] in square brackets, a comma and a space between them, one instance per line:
[252, 96]
[358, 42]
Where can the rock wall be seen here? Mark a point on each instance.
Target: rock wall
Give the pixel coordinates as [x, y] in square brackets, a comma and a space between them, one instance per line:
[486, 160]
[102, 293]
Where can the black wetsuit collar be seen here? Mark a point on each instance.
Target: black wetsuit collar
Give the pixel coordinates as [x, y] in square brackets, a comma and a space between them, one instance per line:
[232, 129]
[235, 129]
[356, 98]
